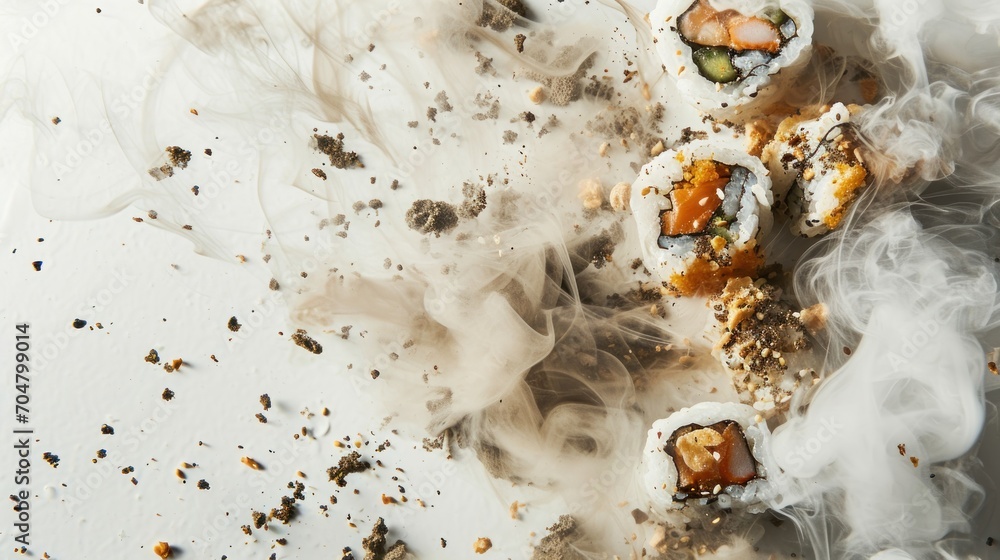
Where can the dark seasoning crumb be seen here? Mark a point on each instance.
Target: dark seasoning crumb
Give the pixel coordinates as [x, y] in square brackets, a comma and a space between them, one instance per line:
[350, 463]
[305, 341]
[333, 147]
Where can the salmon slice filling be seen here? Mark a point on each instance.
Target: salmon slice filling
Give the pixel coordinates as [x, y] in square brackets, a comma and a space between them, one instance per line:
[696, 199]
[710, 458]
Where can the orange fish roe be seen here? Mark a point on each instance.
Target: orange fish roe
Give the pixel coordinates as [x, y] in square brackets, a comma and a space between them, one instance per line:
[705, 277]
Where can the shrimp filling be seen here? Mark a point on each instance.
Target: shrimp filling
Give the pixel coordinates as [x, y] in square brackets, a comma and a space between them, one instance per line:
[727, 46]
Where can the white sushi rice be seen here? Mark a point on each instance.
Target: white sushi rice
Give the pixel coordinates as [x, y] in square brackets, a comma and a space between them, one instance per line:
[650, 196]
[729, 100]
[659, 475]
[813, 197]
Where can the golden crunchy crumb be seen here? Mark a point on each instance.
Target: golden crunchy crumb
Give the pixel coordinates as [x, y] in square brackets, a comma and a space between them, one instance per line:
[758, 133]
[481, 545]
[514, 507]
[162, 550]
[591, 194]
[814, 318]
[537, 95]
[993, 368]
[620, 195]
[657, 149]
[251, 463]
[180, 474]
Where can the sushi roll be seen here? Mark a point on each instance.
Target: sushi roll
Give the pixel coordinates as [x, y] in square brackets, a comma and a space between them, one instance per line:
[700, 211]
[709, 455]
[762, 344]
[816, 158]
[725, 56]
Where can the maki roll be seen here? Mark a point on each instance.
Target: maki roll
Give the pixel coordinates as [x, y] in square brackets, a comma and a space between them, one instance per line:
[725, 56]
[761, 343]
[700, 211]
[816, 158]
[711, 454]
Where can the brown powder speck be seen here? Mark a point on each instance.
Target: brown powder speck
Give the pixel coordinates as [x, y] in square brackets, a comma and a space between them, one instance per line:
[333, 147]
[233, 324]
[430, 216]
[319, 173]
[364, 76]
[174, 365]
[375, 204]
[261, 418]
[161, 173]
[519, 42]
[286, 512]
[107, 430]
[203, 485]
[179, 157]
[902, 449]
[51, 459]
[273, 284]
[502, 17]
[375, 544]
[350, 463]
[559, 543]
[305, 341]
[167, 394]
[485, 65]
[509, 137]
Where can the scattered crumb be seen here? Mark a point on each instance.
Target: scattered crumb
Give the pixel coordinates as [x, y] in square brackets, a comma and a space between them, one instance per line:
[179, 157]
[481, 545]
[265, 401]
[430, 216]
[350, 463]
[305, 341]
[334, 149]
[167, 394]
[153, 357]
[162, 550]
[251, 463]
[558, 544]
[519, 42]
[233, 324]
